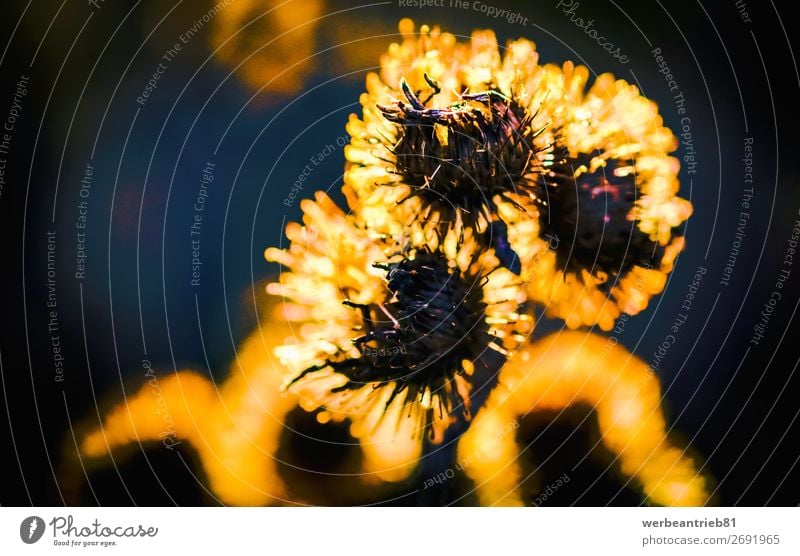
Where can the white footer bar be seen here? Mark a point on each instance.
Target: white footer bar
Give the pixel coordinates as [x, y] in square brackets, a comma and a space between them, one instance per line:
[401, 531]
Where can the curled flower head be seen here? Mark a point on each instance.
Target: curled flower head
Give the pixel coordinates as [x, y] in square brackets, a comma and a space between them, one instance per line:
[447, 137]
[578, 367]
[608, 209]
[390, 330]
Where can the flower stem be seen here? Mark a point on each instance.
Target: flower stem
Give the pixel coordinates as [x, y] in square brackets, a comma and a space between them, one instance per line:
[441, 470]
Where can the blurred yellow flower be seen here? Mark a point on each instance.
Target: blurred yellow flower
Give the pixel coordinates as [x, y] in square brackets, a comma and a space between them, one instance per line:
[235, 428]
[268, 44]
[577, 367]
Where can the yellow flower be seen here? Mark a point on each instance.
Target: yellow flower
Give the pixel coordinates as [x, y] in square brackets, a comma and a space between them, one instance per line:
[391, 332]
[569, 368]
[447, 140]
[608, 204]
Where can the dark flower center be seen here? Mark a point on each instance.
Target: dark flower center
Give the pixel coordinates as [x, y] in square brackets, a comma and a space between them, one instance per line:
[586, 219]
[432, 320]
[458, 159]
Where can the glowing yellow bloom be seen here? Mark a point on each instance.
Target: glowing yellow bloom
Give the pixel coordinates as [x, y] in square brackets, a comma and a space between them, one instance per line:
[570, 368]
[607, 207]
[446, 141]
[235, 427]
[391, 332]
